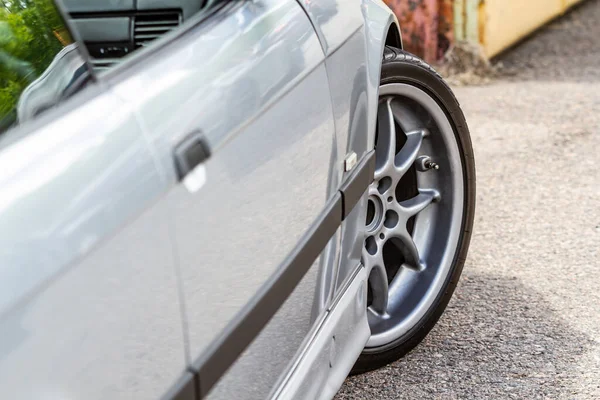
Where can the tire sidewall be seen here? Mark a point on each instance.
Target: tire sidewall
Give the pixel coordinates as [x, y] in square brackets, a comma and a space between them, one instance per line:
[402, 67]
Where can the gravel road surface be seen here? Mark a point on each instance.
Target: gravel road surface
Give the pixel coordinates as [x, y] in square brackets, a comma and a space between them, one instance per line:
[525, 320]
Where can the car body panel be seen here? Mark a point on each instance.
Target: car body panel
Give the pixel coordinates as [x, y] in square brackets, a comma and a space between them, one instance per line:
[351, 108]
[255, 373]
[353, 83]
[89, 305]
[328, 16]
[269, 174]
[332, 350]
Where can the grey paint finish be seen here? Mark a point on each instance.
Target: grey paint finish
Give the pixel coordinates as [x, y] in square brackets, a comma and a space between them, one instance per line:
[254, 375]
[334, 20]
[351, 112]
[266, 210]
[267, 179]
[92, 173]
[186, 388]
[88, 299]
[213, 82]
[331, 351]
[353, 83]
[349, 87]
[378, 18]
[109, 328]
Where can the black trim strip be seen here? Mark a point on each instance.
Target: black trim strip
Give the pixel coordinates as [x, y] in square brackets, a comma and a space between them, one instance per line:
[185, 388]
[206, 371]
[250, 321]
[357, 182]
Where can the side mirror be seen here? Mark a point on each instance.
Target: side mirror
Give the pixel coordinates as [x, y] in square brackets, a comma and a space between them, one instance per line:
[40, 62]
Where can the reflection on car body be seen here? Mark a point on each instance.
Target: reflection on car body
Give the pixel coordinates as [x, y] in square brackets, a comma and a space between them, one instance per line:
[48, 89]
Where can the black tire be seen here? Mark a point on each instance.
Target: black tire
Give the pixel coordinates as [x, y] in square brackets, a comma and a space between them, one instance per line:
[401, 67]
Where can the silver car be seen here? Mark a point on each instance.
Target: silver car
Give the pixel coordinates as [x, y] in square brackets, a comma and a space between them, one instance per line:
[220, 199]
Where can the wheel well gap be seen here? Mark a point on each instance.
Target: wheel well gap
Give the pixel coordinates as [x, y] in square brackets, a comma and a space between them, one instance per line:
[393, 37]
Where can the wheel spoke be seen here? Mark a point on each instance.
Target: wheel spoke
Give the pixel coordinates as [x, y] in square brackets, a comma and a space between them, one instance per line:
[385, 150]
[378, 280]
[408, 153]
[404, 242]
[412, 207]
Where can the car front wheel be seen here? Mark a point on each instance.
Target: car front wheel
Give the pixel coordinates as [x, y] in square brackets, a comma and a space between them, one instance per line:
[420, 207]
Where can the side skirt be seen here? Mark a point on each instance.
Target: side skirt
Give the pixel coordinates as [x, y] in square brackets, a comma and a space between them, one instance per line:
[333, 348]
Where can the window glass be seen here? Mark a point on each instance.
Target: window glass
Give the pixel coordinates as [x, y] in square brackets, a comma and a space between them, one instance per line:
[39, 61]
[113, 30]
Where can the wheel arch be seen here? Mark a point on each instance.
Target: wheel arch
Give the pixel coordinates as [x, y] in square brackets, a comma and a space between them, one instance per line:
[381, 29]
[394, 38]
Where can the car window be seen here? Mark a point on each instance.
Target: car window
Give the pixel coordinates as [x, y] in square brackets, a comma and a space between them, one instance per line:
[40, 63]
[114, 30]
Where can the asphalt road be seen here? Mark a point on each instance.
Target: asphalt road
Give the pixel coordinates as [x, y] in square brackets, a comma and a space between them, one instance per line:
[525, 320]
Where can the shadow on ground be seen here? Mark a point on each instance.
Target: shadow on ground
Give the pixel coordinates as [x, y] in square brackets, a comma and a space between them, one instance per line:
[476, 350]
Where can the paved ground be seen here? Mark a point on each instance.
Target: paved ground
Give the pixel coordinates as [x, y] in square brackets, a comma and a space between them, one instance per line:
[525, 320]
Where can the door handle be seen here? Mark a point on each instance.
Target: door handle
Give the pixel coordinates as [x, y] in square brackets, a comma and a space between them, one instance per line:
[192, 151]
[189, 155]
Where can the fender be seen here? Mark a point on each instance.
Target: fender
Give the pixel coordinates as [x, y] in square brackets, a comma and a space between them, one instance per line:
[381, 29]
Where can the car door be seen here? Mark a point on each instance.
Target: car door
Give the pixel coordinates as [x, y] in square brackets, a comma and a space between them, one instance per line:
[237, 108]
[89, 306]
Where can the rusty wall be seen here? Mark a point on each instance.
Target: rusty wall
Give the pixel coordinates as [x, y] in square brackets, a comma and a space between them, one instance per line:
[427, 26]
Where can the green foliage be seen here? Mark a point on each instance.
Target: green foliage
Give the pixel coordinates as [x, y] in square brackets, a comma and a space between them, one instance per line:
[30, 36]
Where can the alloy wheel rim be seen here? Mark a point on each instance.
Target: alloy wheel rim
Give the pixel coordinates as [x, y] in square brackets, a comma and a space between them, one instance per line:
[415, 211]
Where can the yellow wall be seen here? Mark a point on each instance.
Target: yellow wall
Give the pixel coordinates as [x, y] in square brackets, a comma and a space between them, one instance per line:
[503, 22]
